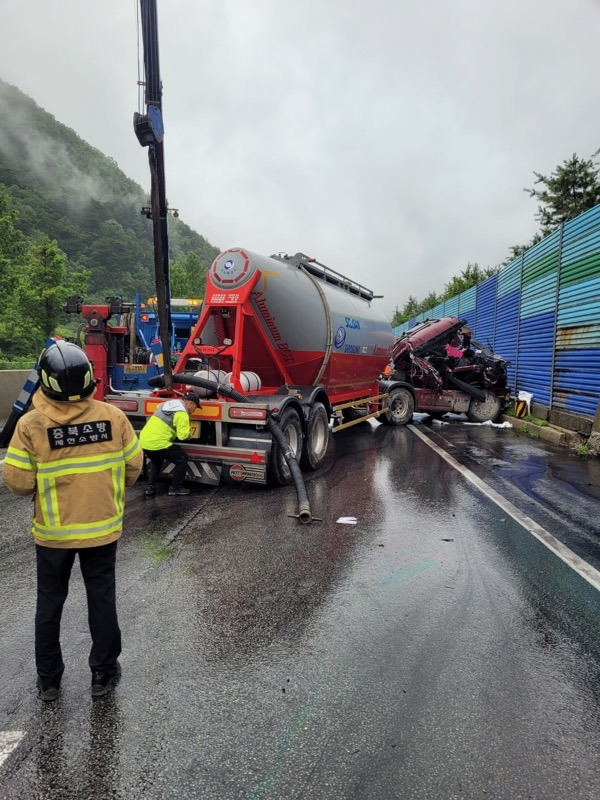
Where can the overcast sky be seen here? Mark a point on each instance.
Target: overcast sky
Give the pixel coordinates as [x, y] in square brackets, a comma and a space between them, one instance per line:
[390, 139]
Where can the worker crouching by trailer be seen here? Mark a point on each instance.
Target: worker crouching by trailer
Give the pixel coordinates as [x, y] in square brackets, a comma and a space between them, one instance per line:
[170, 421]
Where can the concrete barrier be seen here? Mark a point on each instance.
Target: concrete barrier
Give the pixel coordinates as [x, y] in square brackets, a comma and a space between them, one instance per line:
[11, 383]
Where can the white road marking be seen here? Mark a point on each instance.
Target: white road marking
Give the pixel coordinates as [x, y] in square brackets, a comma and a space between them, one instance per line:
[9, 740]
[581, 567]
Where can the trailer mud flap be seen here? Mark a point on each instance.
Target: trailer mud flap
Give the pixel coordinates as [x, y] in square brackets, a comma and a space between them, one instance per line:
[246, 473]
[248, 438]
[199, 472]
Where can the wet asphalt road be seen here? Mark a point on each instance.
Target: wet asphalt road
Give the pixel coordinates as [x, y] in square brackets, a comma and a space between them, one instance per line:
[551, 484]
[433, 650]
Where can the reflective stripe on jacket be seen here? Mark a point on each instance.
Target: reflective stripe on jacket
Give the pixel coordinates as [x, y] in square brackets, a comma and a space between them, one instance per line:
[77, 458]
[170, 421]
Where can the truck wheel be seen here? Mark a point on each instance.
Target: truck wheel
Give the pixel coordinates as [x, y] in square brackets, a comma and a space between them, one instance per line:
[317, 438]
[400, 407]
[279, 473]
[484, 410]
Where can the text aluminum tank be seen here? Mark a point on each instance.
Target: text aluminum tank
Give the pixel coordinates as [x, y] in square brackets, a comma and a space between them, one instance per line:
[325, 328]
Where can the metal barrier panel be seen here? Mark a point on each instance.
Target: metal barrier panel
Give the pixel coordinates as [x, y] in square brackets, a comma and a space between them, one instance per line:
[577, 358]
[451, 307]
[507, 330]
[542, 259]
[485, 316]
[542, 313]
[577, 380]
[535, 356]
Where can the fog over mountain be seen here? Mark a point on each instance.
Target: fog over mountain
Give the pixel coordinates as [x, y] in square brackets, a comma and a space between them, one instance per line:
[390, 140]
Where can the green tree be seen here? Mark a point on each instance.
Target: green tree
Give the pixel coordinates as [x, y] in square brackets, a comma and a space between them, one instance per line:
[409, 310]
[573, 187]
[397, 318]
[43, 286]
[72, 193]
[188, 277]
[13, 257]
[570, 190]
[119, 263]
[518, 249]
[430, 301]
[36, 308]
[196, 275]
[469, 277]
[13, 247]
[178, 280]
[20, 337]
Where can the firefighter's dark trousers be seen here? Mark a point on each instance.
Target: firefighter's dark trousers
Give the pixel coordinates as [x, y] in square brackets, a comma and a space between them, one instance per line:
[53, 573]
[175, 455]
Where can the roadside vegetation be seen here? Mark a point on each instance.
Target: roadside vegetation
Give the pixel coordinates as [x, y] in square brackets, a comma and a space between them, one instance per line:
[583, 451]
[540, 423]
[70, 223]
[573, 187]
[537, 421]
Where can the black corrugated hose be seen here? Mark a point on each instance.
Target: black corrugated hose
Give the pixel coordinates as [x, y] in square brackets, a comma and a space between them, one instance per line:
[304, 512]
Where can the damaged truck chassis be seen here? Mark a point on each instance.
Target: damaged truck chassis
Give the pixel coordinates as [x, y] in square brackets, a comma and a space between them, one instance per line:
[439, 368]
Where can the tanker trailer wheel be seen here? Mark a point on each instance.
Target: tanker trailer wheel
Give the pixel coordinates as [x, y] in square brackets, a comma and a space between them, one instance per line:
[400, 407]
[484, 410]
[317, 438]
[279, 473]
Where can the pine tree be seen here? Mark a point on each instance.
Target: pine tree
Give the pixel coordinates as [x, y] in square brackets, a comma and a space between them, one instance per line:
[569, 191]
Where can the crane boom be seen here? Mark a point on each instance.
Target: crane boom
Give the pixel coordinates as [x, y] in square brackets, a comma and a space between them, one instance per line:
[149, 130]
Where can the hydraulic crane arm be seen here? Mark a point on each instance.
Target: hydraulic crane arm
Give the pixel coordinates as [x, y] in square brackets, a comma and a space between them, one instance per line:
[149, 130]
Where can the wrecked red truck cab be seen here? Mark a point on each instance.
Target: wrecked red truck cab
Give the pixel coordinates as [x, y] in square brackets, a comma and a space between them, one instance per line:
[437, 368]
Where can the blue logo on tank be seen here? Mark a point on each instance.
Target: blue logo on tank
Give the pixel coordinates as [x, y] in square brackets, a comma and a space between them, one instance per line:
[228, 265]
[340, 337]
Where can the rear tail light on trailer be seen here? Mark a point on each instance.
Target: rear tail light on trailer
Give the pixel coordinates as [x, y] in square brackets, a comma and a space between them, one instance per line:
[247, 413]
[125, 405]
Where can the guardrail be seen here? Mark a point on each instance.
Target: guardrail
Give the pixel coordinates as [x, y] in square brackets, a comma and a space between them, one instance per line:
[11, 383]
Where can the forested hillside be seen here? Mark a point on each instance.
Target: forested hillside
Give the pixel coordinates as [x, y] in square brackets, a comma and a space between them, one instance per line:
[55, 186]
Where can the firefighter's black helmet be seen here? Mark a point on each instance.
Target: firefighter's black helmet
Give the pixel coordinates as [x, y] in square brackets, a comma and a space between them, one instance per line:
[65, 372]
